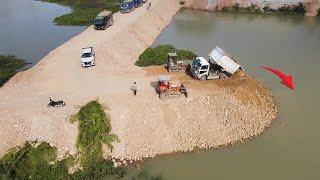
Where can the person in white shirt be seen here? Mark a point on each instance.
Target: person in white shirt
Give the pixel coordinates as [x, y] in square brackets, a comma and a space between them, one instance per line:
[134, 88]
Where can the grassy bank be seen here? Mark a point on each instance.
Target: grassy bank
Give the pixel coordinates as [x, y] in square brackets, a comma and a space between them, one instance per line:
[159, 55]
[84, 11]
[9, 65]
[39, 160]
[299, 9]
[94, 130]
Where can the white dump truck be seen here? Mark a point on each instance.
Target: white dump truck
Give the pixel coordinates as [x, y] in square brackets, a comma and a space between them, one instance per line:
[87, 57]
[220, 65]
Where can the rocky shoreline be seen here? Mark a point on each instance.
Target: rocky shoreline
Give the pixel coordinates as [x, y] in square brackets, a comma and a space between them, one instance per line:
[227, 116]
[217, 112]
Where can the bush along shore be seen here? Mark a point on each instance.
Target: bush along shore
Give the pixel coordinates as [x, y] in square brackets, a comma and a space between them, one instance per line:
[84, 11]
[9, 66]
[38, 160]
[298, 9]
[159, 55]
[318, 14]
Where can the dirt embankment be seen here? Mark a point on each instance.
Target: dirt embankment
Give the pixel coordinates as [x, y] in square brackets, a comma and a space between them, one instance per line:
[217, 112]
[213, 5]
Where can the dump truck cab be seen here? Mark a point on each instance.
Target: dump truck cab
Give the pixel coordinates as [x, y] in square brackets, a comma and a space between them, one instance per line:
[127, 6]
[103, 20]
[200, 68]
[87, 57]
[220, 65]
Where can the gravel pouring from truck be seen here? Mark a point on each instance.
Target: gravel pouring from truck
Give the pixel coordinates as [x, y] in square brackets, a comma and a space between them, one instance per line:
[219, 66]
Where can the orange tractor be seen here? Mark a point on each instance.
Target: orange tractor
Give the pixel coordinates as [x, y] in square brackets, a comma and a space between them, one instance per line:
[169, 89]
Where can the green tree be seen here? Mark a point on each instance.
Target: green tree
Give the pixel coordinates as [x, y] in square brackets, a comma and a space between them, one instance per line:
[299, 9]
[318, 12]
[266, 9]
[224, 9]
[285, 9]
[236, 7]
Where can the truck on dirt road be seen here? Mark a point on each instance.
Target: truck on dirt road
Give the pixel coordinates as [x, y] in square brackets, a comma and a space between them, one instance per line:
[130, 5]
[103, 20]
[87, 57]
[219, 66]
[127, 6]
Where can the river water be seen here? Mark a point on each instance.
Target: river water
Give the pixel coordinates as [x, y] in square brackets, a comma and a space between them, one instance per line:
[290, 148]
[27, 31]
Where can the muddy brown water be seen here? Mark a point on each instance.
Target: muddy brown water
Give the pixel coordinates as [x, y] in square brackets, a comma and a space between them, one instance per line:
[290, 148]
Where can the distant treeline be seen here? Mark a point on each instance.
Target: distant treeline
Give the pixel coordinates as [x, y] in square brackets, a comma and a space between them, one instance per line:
[298, 9]
[84, 11]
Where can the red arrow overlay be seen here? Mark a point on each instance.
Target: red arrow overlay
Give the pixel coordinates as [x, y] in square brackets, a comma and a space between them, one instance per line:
[286, 80]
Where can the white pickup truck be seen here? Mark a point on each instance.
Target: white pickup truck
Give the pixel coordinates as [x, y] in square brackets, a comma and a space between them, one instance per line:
[87, 57]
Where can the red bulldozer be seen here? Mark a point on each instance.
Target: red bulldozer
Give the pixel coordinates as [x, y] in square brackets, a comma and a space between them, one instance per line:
[169, 89]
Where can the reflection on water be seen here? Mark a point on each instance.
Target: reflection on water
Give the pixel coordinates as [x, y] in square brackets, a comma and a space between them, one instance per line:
[290, 148]
[27, 31]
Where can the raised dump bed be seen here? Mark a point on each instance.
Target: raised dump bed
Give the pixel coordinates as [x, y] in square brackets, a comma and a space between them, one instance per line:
[219, 66]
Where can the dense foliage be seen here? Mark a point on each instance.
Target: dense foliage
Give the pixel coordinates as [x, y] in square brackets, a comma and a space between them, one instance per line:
[84, 11]
[159, 55]
[94, 130]
[318, 12]
[33, 161]
[298, 9]
[39, 160]
[9, 65]
[78, 17]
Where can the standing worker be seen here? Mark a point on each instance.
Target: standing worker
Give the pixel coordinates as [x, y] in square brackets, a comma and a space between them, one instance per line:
[149, 6]
[134, 88]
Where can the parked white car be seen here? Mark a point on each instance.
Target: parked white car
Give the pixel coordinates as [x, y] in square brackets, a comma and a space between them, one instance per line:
[87, 57]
